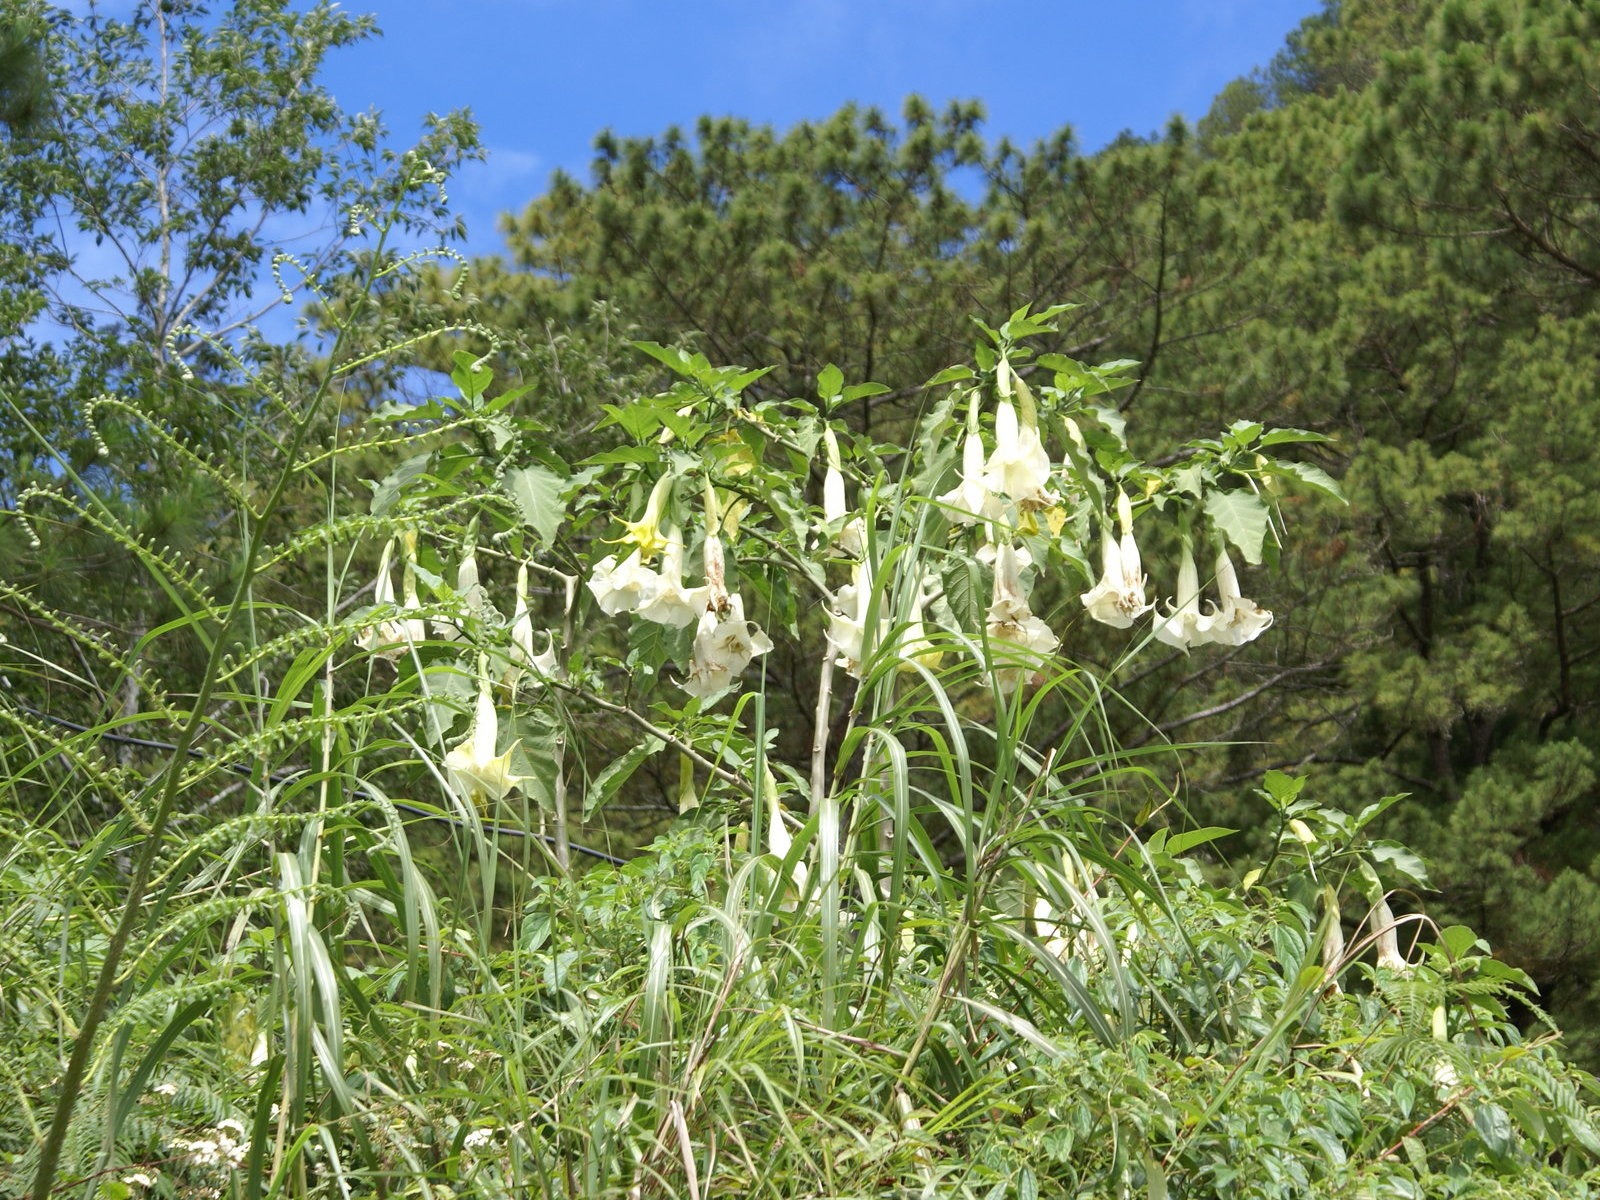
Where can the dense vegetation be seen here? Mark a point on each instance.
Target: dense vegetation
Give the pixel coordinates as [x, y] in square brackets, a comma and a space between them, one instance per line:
[923, 843]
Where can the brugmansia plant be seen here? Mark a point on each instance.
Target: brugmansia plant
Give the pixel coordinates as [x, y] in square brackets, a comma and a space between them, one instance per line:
[896, 940]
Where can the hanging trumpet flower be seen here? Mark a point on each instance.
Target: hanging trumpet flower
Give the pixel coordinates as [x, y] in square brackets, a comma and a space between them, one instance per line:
[473, 764]
[391, 638]
[1238, 620]
[1019, 466]
[1186, 624]
[1018, 639]
[1118, 599]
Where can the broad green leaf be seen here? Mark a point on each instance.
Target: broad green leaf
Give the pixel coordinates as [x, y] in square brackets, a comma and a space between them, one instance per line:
[830, 381]
[471, 376]
[1179, 842]
[1286, 437]
[1493, 1124]
[387, 493]
[1243, 518]
[537, 493]
[963, 591]
[1313, 477]
[617, 772]
[949, 375]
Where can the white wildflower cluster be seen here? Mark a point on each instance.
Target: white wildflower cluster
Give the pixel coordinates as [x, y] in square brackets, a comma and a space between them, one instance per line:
[225, 1146]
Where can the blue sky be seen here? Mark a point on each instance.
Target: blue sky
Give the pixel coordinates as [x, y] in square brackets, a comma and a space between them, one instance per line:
[544, 76]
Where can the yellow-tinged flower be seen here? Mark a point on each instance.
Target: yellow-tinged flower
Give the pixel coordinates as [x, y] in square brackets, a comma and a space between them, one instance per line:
[474, 766]
[1118, 599]
[645, 533]
[915, 645]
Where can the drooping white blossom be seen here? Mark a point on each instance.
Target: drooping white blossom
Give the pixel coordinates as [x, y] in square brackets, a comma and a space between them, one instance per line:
[1186, 624]
[391, 638]
[1019, 466]
[1238, 620]
[671, 603]
[850, 536]
[1018, 640]
[971, 500]
[724, 645]
[624, 586]
[540, 664]
[847, 620]
[1118, 599]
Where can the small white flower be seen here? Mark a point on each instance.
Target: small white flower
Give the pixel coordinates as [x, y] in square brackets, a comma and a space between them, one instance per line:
[724, 645]
[541, 665]
[851, 536]
[971, 500]
[1385, 926]
[391, 638]
[1185, 624]
[1118, 599]
[477, 771]
[622, 587]
[671, 603]
[477, 1139]
[1238, 620]
[847, 620]
[1018, 639]
[139, 1179]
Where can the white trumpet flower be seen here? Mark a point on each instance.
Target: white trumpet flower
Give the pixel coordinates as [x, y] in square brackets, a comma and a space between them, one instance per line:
[671, 603]
[1238, 620]
[391, 638]
[724, 645]
[1186, 625]
[470, 594]
[523, 656]
[847, 620]
[1019, 466]
[473, 764]
[1017, 638]
[622, 587]
[1385, 926]
[851, 537]
[1118, 599]
[971, 500]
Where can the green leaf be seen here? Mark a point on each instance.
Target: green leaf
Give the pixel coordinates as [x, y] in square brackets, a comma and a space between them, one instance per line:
[605, 785]
[949, 375]
[1286, 437]
[1493, 1124]
[1282, 789]
[387, 493]
[1459, 940]
[1180, 842]
[830, 381]
[1313, 477]
[860, 391]
[471, 376]
[1243, 517]
[963, 591]
[537, 494]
